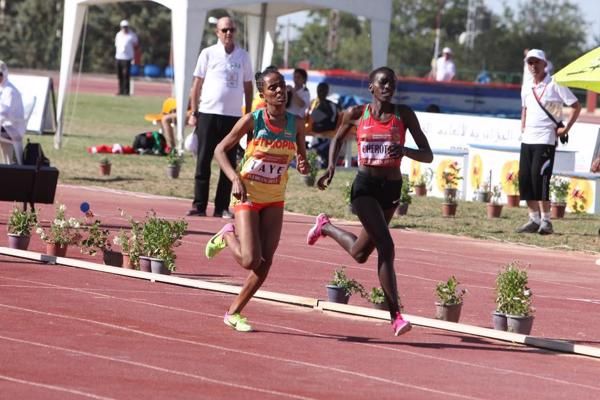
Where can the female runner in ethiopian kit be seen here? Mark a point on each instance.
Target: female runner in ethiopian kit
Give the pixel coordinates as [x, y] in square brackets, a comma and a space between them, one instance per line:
[258, 191]
[380, 133]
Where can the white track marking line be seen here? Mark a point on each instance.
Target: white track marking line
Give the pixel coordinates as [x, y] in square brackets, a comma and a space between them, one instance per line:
[452, 361]
[54, 387]
[153, 367]
[222, 348]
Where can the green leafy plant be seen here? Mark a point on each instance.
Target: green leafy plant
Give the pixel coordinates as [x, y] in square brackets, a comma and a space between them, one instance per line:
[104, 161]
[62, 231]
[450, 196]
[376, 295]
[312, 159]
[21, 222]
[496, 194]
[425, 178]
[96, 239]
[160, 237]
[405, 197]
[513, 296]
[559, 189]
[174, 158]
[448, 292]
[341, 280]
[347, 192]
[130, 241]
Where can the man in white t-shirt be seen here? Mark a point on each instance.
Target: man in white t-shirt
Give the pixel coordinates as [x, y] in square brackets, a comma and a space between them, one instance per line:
[222, 78]
[12, 117]
[445, 70]
[126, 44]
[541, 127]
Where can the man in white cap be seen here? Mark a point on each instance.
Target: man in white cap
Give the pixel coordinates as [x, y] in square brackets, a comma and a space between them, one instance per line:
[541, 128]
[445, 70]
[126, 44]
[12, 117]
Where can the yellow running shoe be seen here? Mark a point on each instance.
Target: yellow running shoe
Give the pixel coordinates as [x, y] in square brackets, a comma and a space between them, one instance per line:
[237, 322]
[217, 242]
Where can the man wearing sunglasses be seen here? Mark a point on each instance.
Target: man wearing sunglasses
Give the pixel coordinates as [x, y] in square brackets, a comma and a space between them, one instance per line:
[541, 126]
[12, 118]
[222, 78]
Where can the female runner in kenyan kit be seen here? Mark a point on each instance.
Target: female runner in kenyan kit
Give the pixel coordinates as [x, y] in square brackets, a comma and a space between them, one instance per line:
[258, 191]
[380, 133]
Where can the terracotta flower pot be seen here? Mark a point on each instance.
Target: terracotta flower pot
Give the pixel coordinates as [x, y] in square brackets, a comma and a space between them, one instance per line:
[558, 210]
[449, 209]
[56, 250]
[513, 200]
[105, 169]
[494, 210]
[18, 242]
[420, 190]
[127, 261]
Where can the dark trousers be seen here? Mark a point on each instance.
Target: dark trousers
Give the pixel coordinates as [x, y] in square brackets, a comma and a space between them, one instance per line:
[211, 129]
[123, 68]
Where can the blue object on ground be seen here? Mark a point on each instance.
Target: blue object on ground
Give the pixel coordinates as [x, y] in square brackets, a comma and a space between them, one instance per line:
[151, 71]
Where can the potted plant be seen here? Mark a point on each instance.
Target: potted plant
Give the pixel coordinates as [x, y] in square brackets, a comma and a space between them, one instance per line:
[377, 297]
[174, 161]
[405, 197]
[422, 182]
[559, 191]
[494, 208]
[61, 233]
[130, 242]
[104, 166]
[513, 300]
[450, 300]
[450, 178]
[449, 205]
[96, 239]
[20, 224]
[512, 196]
[313, 162]
[347, 194]
[159, 238]
[483, 193]
[340, 288]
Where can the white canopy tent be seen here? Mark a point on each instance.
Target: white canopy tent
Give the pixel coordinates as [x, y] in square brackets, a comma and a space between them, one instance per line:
[187, 22]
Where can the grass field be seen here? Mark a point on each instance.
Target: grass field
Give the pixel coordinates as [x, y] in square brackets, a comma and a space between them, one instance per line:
[100, 119]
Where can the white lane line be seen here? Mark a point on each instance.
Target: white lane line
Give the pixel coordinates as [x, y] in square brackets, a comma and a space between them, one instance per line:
[54, 387]
[222, 349]
[408, 352]
[154, 367]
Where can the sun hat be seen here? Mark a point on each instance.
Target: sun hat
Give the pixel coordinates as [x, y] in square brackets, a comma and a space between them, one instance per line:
[536, 53]
[447, 50]
[124, 23]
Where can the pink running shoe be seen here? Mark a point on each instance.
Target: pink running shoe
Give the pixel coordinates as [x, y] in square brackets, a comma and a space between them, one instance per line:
[400, 325]
[315, 232]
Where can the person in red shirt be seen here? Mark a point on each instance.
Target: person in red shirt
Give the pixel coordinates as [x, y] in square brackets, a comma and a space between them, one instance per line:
[381, 127]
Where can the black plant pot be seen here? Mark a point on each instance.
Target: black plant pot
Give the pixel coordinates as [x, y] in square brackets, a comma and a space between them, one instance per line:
[337, 294]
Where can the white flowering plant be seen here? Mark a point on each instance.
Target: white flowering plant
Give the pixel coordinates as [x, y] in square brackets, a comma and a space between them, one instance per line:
[63, 231]
[448, 292]
[513, 296]
[559, 188]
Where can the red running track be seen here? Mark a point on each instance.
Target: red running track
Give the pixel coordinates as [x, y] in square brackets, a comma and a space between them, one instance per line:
[68, 333]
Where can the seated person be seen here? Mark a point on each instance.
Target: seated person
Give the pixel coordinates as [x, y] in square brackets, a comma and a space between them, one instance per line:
[167, 122]
[324, 116]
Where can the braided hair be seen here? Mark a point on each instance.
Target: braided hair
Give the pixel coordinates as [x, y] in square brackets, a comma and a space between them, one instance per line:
[260, 76]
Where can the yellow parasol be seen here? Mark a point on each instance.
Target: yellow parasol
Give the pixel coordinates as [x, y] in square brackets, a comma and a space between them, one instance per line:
[583, 73]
